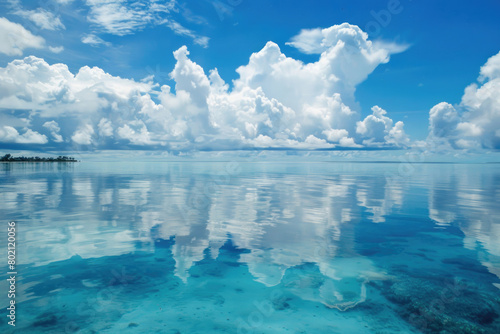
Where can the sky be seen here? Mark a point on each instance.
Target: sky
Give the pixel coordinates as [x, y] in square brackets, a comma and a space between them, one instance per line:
[224, 75]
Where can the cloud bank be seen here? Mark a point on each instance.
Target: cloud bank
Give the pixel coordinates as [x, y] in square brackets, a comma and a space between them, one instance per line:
[277, 102]
[474, 123]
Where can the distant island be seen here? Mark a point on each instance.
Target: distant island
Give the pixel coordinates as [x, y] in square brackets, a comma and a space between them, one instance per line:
[10, 158]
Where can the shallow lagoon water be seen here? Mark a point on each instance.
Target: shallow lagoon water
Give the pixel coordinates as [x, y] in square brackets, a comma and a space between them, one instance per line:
[225, 247]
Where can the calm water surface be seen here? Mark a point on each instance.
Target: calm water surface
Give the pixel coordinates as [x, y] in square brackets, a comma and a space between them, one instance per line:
[253, 247]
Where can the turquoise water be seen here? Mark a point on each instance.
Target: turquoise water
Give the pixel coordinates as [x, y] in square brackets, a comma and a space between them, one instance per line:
[227, 247]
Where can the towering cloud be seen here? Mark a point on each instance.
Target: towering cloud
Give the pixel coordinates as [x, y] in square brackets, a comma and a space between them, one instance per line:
[277, 101]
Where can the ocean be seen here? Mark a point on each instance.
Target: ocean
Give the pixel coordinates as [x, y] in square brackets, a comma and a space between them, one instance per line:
[252, 247]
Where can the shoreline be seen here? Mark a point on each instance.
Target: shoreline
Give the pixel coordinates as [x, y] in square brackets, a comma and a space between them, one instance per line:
[10, 158]
[38, 161]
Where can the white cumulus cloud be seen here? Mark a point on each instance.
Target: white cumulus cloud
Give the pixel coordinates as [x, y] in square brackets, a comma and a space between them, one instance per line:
[473, 123]
[54, 130]
[277, 101]
[83, 136]
[14, 38]
[377, 130]
[8, 134]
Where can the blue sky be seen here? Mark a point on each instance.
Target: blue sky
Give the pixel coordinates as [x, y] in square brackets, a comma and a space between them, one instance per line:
[442, 46]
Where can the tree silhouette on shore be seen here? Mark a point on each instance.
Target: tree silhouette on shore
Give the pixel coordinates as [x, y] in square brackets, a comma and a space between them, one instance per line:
[61, 158]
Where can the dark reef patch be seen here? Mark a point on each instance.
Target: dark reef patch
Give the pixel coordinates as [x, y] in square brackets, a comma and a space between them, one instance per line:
[436, 305]
[46, 320]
